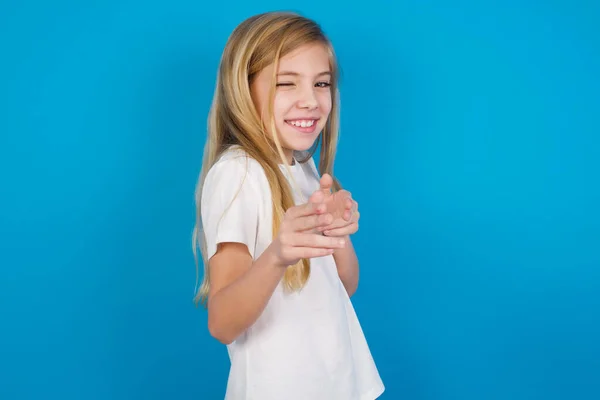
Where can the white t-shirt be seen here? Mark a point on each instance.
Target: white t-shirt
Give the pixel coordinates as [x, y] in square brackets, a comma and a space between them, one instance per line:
[306, 345]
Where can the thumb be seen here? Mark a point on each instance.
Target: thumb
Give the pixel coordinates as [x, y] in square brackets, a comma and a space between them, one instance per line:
[326, 183]
[317, 197]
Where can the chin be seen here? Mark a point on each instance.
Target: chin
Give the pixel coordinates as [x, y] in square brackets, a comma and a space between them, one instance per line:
[299, 141]
[301, 145]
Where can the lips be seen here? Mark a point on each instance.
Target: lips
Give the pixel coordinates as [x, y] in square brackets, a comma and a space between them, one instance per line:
[303, 125]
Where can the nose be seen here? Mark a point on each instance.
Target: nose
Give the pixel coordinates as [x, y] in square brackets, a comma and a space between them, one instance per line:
[307, 99]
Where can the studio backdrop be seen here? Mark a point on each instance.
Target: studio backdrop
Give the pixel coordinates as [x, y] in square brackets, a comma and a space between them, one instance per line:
[470, 138]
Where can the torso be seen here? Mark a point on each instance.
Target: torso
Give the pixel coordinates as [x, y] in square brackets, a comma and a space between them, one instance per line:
[306, 345]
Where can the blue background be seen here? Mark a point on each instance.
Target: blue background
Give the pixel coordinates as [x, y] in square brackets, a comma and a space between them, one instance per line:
[470, 137]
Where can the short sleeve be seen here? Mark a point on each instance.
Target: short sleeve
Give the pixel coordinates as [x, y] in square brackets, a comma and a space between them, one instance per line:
[230, 203]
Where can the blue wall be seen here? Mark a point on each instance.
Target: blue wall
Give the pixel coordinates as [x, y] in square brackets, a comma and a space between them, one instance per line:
[470, 138]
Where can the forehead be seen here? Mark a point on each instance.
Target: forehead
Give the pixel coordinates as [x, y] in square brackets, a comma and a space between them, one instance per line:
[307, 59]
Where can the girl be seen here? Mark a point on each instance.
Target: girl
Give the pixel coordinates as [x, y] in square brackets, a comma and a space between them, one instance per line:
[279, 266]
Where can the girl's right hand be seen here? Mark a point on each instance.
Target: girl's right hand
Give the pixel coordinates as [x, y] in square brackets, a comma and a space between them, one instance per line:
[299, 237]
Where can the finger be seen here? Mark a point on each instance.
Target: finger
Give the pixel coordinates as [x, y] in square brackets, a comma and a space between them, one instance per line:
[344, 198]
[349, 203]
[351, 208]
[310, 252]
[309, 222]
[324, 191]
[317, 197]
[344, 231]
[309, 208]
[317, 241]
[340, 223]
[347, 215]
[326, 183]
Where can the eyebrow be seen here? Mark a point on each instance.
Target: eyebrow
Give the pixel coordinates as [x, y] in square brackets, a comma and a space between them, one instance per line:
[291, 73]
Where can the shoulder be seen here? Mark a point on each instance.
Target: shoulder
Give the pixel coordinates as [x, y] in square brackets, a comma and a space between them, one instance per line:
[233, 197]
[235, 164]
[233, 171]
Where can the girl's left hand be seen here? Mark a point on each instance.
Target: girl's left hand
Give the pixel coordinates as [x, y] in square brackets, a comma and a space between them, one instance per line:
[341, 205]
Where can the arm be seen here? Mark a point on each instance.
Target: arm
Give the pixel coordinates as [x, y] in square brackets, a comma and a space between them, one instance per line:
[240, 289]
[240, 286]
[347, 266]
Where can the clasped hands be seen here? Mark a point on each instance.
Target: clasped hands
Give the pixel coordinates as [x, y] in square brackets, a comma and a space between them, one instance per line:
[340, 205]
[317, 228]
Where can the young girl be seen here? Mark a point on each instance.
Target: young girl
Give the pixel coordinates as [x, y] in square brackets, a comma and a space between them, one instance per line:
[279, 266]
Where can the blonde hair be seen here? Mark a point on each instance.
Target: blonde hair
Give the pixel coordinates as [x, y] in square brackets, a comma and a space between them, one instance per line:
[256, 43]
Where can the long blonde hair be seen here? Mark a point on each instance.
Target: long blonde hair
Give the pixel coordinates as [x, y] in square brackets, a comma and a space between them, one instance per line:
[257, 42]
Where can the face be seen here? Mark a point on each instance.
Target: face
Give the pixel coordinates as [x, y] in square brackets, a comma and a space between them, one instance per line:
[302, 97]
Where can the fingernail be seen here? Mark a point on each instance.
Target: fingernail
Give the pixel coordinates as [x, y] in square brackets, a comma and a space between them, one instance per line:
[342, 242]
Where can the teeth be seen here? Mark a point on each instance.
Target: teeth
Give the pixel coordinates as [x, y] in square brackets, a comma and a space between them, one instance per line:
[303, 123]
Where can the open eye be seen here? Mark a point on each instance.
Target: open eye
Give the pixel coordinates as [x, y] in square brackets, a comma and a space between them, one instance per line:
[323, 84]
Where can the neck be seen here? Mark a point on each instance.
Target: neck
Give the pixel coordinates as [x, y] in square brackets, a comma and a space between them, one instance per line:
[289, 156]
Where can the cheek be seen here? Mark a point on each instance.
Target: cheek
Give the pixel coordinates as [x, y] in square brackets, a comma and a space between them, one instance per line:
[325, 102]
[283, 103]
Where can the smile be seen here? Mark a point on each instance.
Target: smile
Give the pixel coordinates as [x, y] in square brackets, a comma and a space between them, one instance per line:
[302, 123]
